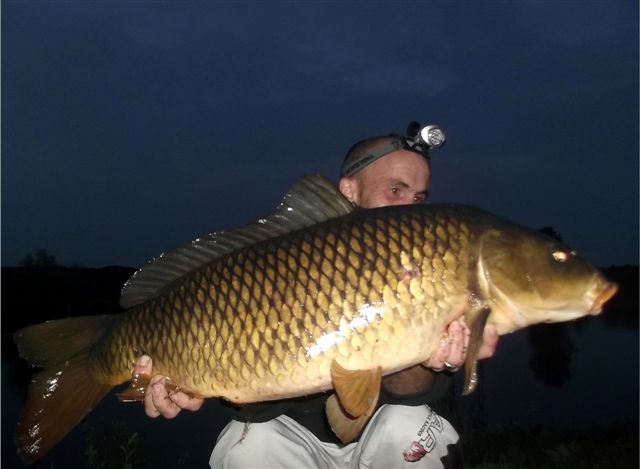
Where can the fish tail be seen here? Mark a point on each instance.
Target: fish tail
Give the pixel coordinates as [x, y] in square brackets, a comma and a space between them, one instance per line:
[65, 390]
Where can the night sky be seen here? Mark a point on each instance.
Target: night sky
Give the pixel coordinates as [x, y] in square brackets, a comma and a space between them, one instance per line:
[129, 128]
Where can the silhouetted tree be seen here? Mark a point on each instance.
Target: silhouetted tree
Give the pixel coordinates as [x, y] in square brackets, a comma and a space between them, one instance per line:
[41, 258]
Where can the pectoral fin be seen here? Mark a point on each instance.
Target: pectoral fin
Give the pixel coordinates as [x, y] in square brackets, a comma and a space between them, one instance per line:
[476, 321]
[346, 427]
[355, 400]
[356, 389]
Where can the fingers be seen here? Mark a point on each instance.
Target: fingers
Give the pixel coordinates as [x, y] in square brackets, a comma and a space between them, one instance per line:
[459, 334]
[150, 407]
[452, 350]
[436, 363]
[185, 401]
[157, 400]
[144, 365]
[489, 342]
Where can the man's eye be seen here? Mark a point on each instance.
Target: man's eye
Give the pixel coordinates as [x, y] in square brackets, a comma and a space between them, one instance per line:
[419, 198]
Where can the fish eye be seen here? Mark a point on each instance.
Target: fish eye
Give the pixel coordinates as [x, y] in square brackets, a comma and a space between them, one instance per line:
[561, 256]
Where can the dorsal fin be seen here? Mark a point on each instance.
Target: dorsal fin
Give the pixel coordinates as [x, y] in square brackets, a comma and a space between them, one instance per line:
[312, 199]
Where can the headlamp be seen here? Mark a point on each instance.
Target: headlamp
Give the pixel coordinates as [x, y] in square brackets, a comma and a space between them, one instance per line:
[430, 135]
[419, 139]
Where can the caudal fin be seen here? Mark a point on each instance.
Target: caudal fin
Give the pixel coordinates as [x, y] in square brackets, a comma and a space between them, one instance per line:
[65, 391]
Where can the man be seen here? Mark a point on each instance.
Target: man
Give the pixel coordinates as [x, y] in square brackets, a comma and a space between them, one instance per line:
[404, 431]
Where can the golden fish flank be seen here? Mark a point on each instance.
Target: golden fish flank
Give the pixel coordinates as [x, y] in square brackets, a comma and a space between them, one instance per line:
[315, 296]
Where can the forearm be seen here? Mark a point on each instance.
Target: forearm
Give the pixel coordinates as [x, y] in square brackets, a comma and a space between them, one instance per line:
[409, 382]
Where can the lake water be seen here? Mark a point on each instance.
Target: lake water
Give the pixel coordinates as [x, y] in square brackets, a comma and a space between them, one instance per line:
[602, 388]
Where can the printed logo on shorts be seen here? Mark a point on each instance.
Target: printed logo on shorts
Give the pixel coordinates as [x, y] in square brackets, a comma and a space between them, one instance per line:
[426, 438]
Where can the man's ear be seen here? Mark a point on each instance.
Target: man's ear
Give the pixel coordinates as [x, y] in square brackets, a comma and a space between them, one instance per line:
[348, 187]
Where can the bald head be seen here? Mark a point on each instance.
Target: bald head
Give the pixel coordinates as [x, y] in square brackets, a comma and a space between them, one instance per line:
[395, 178]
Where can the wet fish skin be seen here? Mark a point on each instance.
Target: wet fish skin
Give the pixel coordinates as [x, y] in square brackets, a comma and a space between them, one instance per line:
[373, 288]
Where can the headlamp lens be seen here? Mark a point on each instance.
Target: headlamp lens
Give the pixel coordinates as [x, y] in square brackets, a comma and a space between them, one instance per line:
[432, 135]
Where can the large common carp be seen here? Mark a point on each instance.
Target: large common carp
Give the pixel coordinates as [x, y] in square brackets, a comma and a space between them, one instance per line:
[316, 296]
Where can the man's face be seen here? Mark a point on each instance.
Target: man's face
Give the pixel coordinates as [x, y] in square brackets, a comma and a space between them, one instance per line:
[399, 178]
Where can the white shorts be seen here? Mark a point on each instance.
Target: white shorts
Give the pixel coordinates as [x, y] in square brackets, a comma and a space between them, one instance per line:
[396, 437]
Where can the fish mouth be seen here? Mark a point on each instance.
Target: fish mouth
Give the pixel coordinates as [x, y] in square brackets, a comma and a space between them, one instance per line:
[601, 294]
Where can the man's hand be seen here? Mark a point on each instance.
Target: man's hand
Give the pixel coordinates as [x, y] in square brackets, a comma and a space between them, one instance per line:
[157, 400]
[452, 351]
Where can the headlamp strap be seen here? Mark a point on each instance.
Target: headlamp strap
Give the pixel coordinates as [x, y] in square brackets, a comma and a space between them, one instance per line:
[394, 145]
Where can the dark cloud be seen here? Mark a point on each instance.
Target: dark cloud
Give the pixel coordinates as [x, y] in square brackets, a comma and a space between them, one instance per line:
[129, 128]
